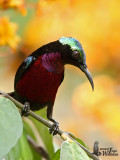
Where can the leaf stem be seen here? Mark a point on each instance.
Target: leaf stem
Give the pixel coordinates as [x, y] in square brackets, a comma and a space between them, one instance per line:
[64, 135]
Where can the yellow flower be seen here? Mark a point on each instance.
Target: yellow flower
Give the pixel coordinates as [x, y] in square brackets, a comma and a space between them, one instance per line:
[8, 33]
[17, 4]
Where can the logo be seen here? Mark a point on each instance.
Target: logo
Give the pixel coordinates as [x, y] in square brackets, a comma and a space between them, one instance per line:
[103, 151]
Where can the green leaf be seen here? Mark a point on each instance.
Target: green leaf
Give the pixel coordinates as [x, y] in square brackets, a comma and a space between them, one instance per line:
[11, 125]
[14, 153]
[44, 133]
[81, 142]
[25, 148]
[21, 151]
[30, 132]
[56, 155]
[36, 156]
[72, 151]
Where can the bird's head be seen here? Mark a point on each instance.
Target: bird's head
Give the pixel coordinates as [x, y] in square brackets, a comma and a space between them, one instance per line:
[75, 55]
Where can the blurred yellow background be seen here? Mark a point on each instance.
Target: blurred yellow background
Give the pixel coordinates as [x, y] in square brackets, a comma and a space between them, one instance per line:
[27, 25]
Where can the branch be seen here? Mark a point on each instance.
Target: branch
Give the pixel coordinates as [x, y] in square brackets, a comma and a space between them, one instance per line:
[37, 148]
[64, 135]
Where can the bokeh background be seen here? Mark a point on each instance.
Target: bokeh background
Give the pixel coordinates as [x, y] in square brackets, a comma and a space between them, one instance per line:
[25, 25]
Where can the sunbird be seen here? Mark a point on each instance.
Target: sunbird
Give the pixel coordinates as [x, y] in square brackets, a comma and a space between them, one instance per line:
[42, 72]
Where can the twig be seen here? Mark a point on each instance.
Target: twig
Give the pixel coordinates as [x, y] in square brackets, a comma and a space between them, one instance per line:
[38, 148]
[63, 134]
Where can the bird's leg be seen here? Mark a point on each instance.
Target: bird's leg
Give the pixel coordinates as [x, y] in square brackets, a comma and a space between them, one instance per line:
[55, 127]
[26, 109]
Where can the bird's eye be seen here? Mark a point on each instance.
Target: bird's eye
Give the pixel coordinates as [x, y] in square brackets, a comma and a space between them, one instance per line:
[76, 54]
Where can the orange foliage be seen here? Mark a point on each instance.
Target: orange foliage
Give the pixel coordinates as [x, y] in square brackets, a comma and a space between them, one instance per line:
[17, 4]
[44, 5]
[8, 33]
[102, 105]
[94, 23]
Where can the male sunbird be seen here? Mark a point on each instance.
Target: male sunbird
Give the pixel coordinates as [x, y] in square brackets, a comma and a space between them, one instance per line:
[41, 73]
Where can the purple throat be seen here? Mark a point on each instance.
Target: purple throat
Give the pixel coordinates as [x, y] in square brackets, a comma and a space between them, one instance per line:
[53, 62]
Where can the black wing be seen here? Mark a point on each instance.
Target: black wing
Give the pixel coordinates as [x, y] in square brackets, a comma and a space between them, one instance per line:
[23, 68]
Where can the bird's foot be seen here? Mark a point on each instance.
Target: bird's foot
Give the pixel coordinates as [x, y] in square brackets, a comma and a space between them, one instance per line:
[26, 109]
[55, 127]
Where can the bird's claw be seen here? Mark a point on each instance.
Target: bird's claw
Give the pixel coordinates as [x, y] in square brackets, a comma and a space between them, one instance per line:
[54, 129]
[26, 109]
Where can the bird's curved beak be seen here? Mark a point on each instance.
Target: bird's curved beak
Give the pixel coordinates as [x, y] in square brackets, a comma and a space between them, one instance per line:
[87, 73]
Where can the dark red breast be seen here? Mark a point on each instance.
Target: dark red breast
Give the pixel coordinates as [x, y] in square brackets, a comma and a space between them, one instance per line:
[38, 84]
